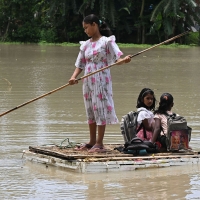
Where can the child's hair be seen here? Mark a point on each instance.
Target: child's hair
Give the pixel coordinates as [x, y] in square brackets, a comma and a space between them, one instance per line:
[166, 102]
[144, 93]
[103, 27]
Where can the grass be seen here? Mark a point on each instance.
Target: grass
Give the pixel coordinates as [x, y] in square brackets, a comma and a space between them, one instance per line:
[121, 45]
[173, 45]
[191, 39]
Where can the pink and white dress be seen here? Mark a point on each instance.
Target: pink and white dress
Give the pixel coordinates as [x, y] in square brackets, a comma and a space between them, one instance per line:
[145, 114]
[97, 88]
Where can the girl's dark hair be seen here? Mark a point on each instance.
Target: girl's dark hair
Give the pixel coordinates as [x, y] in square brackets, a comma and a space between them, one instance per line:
[103, 27]
[166, 101]
[144, 93]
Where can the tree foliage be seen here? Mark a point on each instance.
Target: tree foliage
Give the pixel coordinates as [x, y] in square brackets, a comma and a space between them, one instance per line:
[133, 21]
[174, 16]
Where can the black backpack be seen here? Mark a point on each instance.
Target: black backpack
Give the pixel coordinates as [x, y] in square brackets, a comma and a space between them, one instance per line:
[136, 145]
[129, 126]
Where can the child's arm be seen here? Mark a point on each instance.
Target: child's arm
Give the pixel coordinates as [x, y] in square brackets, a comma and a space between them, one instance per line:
[147, 126]
[157, 130]
[73, 79]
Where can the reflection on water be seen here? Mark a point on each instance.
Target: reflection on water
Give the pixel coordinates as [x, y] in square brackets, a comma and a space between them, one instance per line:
[160, 183]
[28, 71]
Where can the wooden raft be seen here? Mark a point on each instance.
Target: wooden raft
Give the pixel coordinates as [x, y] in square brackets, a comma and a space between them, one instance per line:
[111, 154]
[113, 160]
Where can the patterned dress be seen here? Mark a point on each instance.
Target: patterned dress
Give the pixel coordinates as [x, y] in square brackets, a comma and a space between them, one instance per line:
[97, 88]
[145, 114]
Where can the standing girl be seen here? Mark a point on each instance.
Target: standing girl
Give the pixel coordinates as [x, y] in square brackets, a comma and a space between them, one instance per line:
[97, 52]
[145, 105]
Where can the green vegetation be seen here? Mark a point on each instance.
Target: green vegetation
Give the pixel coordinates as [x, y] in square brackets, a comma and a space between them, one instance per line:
[193, 39]
[132, 21]
[121, 45]
[173, 45]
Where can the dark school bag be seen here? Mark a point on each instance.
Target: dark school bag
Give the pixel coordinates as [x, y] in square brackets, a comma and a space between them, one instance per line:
[137, 146]
[129, 124]
[178, 133]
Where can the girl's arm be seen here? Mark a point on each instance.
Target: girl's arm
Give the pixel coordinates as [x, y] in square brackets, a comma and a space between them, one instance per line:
[73, 80]
[157, 130]
[147, 126]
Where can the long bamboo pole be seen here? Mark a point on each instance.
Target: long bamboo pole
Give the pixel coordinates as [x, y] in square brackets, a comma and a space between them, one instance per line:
[90, 74]
[166, 41]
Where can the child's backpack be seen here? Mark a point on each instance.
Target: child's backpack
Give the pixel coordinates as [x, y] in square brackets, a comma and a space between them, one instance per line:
[178, 133]
[129, 126]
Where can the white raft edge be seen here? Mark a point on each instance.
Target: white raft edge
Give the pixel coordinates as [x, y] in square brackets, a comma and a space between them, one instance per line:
[83, 166]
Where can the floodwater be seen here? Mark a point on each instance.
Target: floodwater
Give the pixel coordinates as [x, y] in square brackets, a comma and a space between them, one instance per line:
[29, 71]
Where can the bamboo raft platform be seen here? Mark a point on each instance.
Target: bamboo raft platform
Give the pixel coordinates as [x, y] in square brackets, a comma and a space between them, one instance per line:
[113, 160]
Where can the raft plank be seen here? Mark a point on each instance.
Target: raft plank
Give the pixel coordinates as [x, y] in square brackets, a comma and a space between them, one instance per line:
[76, 154]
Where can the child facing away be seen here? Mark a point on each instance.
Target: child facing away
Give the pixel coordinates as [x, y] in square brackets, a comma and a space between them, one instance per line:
[97, 52]
[145, 105]
[160, 129]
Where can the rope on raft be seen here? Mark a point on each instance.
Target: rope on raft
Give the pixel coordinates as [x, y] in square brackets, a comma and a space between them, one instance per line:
[62, 146]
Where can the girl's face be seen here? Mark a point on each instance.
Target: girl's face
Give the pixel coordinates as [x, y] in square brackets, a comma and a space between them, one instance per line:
[90, 29]
[148, 100]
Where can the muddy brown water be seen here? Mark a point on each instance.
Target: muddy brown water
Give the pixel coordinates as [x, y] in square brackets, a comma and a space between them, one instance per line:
[28, 71]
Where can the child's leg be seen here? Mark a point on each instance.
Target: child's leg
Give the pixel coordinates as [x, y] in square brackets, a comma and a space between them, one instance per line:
[101, 131]
[92, 128]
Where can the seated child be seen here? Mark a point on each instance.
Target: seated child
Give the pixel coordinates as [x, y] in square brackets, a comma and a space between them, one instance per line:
[160, 127]
[145, 105]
